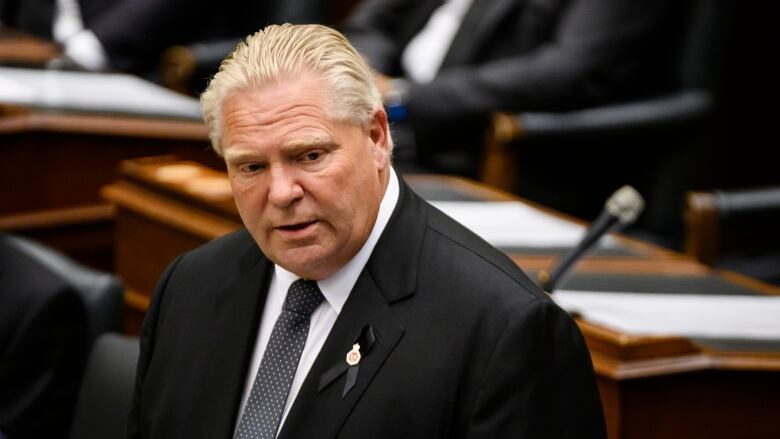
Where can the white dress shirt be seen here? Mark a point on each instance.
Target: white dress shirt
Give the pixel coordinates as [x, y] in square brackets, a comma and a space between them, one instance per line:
[422, 57]
[81, 45]
[336, 290]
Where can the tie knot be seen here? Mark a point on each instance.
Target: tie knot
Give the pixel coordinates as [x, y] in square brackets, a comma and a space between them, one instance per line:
[303, 297]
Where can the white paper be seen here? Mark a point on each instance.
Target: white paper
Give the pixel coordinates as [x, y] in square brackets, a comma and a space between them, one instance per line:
[515, 224]
[702, 316]
[15, 91]
[95, 92]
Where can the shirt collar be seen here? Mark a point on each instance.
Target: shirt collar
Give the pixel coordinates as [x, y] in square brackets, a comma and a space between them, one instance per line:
[337, 287]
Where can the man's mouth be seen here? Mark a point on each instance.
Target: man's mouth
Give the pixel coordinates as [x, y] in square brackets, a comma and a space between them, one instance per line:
[296, 227]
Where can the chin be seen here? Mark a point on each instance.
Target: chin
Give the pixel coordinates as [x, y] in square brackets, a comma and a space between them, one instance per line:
[307, 272]
[309, 268]
[313, 262]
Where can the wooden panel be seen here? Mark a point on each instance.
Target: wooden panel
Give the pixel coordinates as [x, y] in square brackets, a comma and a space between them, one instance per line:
[20, 49]
[86, 233]
[710, 404]
[702, 232]
[166, 206]
[144, 249]
[499, 161]
[149, 238]
[53, 163]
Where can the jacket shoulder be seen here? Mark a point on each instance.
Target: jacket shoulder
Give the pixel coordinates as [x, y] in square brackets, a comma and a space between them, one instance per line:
[217, 252]
[466, 252]
[210, 265]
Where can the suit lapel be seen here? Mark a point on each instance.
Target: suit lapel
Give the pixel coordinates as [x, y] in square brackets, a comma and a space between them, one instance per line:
[236, 315]
[390, 275]
[320, 410]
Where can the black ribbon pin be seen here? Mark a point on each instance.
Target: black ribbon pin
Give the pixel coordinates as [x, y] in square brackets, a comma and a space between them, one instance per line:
[360, 348]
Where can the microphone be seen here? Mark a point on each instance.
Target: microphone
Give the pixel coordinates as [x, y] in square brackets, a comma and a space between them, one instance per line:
[620, 210]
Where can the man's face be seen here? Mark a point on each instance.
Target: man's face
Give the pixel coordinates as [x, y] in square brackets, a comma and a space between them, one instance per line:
[307, 187]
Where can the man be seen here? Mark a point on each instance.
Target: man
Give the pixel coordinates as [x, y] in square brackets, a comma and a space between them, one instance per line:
[398, 323]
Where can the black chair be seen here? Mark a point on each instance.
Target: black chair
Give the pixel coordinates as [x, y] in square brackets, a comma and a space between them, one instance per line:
[651, 143]
[101, 292]
[736, 230]
[107, 389]
[51, 310]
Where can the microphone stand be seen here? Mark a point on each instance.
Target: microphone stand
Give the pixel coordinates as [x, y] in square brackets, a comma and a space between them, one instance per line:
[620, 210]
[549, 280]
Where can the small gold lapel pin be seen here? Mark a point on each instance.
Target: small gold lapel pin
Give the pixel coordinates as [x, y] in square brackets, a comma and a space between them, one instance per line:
[353, 356]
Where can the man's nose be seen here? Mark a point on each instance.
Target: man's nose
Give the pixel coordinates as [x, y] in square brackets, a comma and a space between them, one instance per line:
[284, 188]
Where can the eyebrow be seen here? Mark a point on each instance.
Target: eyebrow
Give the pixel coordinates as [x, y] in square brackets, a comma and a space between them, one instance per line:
[292, 145]
[240, 157]
[308, 142]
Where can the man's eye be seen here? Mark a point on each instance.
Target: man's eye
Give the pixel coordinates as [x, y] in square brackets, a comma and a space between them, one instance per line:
[312, 156]
[251, 168]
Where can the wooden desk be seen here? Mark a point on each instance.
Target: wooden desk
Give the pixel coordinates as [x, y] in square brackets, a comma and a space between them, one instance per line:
[20, 49]
[651, 387]
[55, 163]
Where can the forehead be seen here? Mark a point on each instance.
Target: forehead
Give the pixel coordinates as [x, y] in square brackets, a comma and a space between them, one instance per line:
[275, 113]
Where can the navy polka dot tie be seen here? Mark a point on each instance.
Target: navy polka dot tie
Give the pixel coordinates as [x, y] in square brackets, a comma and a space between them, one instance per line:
[268, 397]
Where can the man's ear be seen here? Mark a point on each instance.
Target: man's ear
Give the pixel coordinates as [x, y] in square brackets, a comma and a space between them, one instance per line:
[379, 132]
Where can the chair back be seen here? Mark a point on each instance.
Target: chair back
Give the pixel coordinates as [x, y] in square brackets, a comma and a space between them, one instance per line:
[101, 292]
[651, 143]
[736, 229]
[106, 392]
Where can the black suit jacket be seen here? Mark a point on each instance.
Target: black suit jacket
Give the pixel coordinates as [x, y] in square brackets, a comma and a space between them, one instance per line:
[32, 16]
[43, 338]
[522, 55]
[466, 346]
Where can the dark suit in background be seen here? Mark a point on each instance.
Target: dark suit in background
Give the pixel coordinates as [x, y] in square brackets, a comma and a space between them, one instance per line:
[134, 33]
[43, 337]
[32, 16]
[542, 56]
[139, 30]
[519, 55]
[466, 345]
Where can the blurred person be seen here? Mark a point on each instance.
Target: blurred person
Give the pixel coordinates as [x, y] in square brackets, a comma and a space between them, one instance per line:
[444, 66]
[348, 307]
[130, 35]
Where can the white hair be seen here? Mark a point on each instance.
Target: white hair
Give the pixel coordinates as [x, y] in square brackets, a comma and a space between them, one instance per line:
[280, 52]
